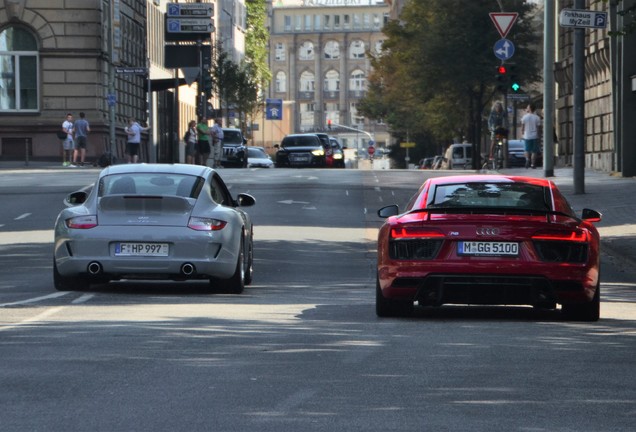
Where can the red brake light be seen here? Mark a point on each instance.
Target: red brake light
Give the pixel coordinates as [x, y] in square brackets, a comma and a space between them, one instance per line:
[572, 236]
[401, 232]
[82, 222]
[206, 224]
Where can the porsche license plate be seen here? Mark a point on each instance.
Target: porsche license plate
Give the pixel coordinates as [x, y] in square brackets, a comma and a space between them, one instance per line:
[488, 248]
[141, 249]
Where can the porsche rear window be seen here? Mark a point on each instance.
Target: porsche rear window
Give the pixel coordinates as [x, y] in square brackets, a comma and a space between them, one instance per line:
[153, 184]
[490, 195]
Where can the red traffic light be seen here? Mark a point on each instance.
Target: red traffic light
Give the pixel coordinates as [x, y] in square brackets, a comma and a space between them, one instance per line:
[501, 70]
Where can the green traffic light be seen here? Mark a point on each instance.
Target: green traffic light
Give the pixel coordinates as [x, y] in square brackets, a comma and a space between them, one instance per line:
[515, 87]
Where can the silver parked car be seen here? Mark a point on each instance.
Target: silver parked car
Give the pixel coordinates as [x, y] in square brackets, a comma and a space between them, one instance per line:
[154, 221]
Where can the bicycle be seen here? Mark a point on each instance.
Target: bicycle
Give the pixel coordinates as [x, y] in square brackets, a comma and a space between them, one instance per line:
[497, 160]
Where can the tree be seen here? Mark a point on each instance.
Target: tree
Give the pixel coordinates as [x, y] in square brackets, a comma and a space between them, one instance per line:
[435, 75]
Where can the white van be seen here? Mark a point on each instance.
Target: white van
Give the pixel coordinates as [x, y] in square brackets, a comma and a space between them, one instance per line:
[459, 156]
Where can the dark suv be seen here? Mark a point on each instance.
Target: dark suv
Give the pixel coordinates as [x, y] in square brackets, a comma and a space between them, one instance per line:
[300, 150]
[234, 154]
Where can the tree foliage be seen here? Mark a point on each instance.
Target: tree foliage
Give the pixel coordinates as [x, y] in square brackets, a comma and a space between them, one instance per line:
[436, 73]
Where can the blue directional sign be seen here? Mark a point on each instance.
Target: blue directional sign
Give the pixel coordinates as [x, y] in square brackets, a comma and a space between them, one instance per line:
[274, 109]
[504, 49]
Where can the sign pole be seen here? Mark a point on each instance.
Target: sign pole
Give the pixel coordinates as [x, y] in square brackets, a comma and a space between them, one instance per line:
[548, 94]
[579, 105]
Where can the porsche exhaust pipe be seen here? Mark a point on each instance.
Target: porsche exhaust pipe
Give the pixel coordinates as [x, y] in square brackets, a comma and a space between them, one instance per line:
[187, 269]
[94, 268]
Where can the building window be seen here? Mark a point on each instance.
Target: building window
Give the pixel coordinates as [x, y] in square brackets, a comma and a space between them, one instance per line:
[355, 118]
[307, 116]
[332, 81]
[299, 23]
[332, 50]
[332, 112]
[317, 22]
[336, 21]
[347, 22]
[308, 23]
[356, 49]
[19, 65]
[357, 21]
[307, 82]
[357, 80]
[281, 82]
[306, 51]
[287, 23]
[376, 22]
[327, 22]
[279, 50]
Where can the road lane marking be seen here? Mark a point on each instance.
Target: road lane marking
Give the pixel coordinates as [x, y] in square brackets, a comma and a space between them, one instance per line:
[34, 299]
[22, 216]
[36, 318]
[83, 299]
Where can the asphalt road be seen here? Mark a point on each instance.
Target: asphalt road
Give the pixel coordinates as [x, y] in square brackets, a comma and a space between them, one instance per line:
[302, 348]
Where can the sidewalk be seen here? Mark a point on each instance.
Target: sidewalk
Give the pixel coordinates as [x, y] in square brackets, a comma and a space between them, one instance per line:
[614, 197]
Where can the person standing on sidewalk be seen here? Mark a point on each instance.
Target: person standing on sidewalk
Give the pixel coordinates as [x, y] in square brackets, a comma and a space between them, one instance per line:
[530, 130]
[134, 130]
[67, 143]
[203, 143]
[81, 129]
[217, 142]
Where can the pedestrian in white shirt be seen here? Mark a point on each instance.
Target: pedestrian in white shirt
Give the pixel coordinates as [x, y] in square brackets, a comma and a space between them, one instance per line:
[530, 130]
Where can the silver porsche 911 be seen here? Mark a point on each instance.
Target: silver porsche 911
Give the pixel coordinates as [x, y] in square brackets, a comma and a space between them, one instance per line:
[154, 221]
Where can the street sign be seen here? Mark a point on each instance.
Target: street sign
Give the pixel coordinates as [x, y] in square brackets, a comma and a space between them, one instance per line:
[190, 25]
[273, 109]
[190, 10]
[112, 99]
[582, 18]
[407, 144]
[518, 96]
[503, 21]
[132, 70]
[504, 49]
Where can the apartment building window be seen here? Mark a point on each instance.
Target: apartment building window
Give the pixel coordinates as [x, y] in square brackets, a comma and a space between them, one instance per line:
[279, 51]
[332, 50]
[336, 21]
[347, 21]
[378, 46]
[357, 80]
[317, 22]
[356, 50]
[281, 82]
[327, 22]
[19, 65]
[287, 23]
[306, 51]
[355, 119]
[367, 21]
[357, 21]
[332, 81]
[299, 22]
[377, 24]
[307, 82]
[308, 22]
[332, 112]
[307, 116]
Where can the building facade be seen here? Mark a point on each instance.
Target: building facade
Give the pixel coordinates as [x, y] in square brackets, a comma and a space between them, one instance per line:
[319, 63]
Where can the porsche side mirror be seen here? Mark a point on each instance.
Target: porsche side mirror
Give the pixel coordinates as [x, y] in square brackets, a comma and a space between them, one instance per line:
[75, 198]
[245, 200]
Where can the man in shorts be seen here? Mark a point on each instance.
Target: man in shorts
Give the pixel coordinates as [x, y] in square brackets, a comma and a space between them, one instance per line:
[530, 129]
[81, 129]
[67, 143]
[133, 131]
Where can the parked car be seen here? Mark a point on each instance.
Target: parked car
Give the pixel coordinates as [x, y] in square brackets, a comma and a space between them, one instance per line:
[488, 240]
[300, 150]
[459, 156]
[257, 157]
[335, 154]
[233, 148]
[516, 154]
[156, 221]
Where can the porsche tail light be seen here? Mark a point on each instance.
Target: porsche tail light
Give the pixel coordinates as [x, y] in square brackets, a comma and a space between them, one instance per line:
[562, 246]
[82, 222]
[206, 224]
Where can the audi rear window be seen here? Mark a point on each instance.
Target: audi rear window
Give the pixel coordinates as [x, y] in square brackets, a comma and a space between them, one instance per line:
[490, 195]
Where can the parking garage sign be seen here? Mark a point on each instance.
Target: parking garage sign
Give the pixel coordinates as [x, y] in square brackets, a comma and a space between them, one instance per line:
[274, 109]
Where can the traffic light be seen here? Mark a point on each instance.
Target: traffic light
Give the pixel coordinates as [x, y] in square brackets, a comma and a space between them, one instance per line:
[514, 80]
[329, 124]
[207, 84]
[502, 78]
[515, 87]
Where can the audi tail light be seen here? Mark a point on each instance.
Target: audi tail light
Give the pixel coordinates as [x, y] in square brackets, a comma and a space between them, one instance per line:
[405, 232]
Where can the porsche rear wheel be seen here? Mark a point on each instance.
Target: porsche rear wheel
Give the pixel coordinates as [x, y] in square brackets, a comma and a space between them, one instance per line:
[584, 312]
[236, 283]
[250, 262]
[385, 307]
[68, 283]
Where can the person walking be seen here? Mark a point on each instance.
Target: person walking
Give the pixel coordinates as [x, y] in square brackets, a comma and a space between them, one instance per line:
[133, 131]
[203, 141]
[67, 143]
[530, 130]
[217, 142]
[497, 124]
[81, 129]
[190, 139]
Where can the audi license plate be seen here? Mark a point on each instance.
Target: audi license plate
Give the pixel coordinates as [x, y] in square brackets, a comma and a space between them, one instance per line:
[488, 248]
[141, 249]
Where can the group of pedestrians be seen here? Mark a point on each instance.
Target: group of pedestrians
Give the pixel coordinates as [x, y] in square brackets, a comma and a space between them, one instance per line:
[74, 139]
[202, 141]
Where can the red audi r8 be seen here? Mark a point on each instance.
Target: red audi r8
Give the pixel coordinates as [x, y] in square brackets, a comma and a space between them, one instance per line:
[489, 240]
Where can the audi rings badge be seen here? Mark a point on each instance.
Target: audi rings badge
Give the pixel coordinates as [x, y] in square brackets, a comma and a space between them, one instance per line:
[487, 231]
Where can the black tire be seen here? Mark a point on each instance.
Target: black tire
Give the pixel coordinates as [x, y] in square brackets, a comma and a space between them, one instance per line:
[589, 312]
[236, 283]
[385, 307]
[249, 268]
[66, 283]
